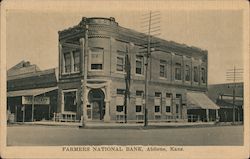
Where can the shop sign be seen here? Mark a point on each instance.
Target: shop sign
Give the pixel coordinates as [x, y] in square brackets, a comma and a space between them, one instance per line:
[37, 100]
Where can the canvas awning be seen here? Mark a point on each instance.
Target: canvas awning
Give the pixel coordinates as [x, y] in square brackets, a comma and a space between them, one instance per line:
[199, 100]
[30, 92]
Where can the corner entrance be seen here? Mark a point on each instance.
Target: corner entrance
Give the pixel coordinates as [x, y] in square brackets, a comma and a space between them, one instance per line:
[97, 104]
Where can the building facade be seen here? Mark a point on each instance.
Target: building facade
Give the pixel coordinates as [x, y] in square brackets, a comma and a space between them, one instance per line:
[102, 75]
[31, 93]
[222, 95]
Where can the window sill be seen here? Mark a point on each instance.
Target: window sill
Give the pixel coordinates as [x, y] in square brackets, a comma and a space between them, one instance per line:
[70, 73]
[120, 72]
[139, 75]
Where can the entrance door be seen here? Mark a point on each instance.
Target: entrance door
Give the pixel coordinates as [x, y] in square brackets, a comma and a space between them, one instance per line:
[96, 99]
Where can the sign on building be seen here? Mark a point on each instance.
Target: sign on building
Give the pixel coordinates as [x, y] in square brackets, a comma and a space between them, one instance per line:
[37, 100]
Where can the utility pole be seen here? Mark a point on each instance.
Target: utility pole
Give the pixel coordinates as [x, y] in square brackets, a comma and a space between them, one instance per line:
[84, 46]
[152, 21]
[234, 75]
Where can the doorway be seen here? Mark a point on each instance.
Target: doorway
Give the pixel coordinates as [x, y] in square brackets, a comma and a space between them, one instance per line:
[97, 104]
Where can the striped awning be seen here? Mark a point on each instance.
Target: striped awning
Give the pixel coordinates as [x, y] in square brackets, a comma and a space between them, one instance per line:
[199, 100]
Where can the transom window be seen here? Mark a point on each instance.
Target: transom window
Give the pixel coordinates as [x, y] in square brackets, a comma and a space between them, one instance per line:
[139, 65]
[96, 58]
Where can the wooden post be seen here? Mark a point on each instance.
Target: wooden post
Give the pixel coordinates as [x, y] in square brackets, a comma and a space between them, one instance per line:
[16, 113]
[32, 109]
[23, 112]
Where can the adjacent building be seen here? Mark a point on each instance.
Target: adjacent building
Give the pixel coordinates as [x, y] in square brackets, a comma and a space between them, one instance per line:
[222, 95]
[102, 76]
[31, 92]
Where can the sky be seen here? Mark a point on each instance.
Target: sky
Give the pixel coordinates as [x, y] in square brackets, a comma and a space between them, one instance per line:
[33, 35]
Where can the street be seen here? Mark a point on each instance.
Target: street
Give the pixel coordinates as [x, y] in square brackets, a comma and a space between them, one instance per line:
[57, 136]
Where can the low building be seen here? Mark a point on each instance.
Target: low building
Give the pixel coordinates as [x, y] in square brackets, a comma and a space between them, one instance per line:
[31, 93]
[102, 76]
[222, 95]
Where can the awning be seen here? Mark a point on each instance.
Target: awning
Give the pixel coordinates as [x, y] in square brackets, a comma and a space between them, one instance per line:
[199, 100]
[30, 92]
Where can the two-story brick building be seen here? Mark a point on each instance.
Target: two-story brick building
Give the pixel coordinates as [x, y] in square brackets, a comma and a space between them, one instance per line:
[177, 75]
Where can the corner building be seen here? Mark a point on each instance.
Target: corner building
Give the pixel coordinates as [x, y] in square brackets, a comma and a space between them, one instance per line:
[114, 61]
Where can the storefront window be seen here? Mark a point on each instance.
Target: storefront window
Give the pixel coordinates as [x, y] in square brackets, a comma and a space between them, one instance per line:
[70, 103]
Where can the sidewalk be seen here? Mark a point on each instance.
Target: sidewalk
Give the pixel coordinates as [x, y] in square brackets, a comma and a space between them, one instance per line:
[103, 125]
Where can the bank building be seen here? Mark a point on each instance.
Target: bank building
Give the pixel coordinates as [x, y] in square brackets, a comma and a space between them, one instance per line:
[102, 76]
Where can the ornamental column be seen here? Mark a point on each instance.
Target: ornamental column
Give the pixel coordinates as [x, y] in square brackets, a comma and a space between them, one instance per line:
[107, 102]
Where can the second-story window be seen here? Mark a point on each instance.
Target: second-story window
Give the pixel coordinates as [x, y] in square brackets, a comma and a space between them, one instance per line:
[203, 75]
[195, 74]
[67, 62]
[96, 58]
[120, 61]
[187, 73]
[76, 57]
[163, 69]
[139, 65]
[177, 71]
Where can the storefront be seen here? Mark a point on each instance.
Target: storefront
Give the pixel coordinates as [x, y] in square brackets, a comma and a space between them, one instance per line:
[32, 105]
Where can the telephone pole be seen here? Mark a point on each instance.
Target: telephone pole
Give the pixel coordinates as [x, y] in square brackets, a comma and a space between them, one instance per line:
[151, 23]
[234, 75]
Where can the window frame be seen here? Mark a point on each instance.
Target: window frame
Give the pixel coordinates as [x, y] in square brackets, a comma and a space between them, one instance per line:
[163, 63]
[178, 71]
[101, 50]
[123, 64]
[140, 59]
